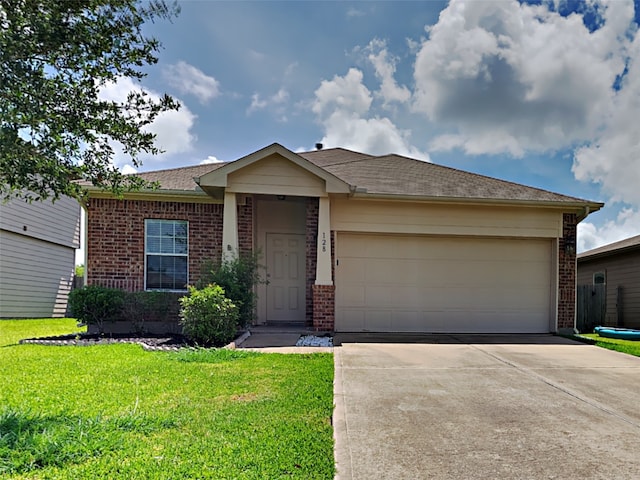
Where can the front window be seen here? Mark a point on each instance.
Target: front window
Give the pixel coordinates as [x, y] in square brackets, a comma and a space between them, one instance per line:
[599, 278]
[166, 254]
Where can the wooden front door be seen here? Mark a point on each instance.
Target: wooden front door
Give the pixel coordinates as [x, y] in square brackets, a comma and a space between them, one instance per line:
[285, 274]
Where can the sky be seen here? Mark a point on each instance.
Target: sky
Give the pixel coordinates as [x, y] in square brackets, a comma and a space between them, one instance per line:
[543, 93]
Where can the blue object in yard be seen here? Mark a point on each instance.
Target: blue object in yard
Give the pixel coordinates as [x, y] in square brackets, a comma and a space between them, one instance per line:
[619, 333]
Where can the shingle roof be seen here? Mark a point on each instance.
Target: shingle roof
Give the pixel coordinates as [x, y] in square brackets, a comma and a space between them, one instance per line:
[398, 175]
[392, 175]
[179, 178]
[626, 244]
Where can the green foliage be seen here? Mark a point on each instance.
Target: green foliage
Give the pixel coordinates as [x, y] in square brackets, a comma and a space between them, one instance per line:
[95, 305]
[12, 331]
[196, 413]
[238, 277]
[31, 441]
[55, 57]
[141, 307]
[208, 317]
[630, 347]
[79, 271]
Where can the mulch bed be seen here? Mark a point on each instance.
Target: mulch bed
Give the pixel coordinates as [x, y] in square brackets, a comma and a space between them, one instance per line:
[148, 342]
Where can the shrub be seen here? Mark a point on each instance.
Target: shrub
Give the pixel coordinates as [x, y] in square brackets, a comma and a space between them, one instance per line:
[94, 305]
[208, 317]
[238, 277]
[141, 307]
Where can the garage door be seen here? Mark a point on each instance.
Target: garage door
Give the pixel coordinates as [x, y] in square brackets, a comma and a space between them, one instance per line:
[387, 283]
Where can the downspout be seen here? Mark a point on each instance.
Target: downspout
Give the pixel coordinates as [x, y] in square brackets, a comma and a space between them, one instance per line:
[586, 212]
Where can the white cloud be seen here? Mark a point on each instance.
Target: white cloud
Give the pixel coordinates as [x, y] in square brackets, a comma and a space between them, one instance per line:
[612, 158]
[172, 128]
[190, 80]
[627, 224]
[354, 12]
[509, 77]
[211, 159]
[277, 102]
[258, 103]
[128, 169]
[343, 106]
[385, 67]
[346, 93]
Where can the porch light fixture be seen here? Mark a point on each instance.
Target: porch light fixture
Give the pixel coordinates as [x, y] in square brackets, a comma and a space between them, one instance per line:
[569, 246]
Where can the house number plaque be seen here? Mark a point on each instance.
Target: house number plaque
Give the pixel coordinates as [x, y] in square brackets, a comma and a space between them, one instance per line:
[324, 242]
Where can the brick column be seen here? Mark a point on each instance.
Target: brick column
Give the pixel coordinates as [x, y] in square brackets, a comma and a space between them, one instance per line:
[311, 234]
[245, 226]
[567, 274]
[324, 307]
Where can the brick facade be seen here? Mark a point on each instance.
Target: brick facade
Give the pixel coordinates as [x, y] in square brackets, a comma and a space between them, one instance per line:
[567, 273]
[116, 238]
[324, 307]
[320, 305]
[312, 251]
[245, 226]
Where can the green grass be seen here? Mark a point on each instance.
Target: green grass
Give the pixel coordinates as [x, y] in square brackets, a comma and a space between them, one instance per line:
[117, 411]
[11, 331]
[624, 346]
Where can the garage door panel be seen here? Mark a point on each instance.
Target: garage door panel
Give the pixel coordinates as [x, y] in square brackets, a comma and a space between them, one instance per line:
[467, 298]
[443, 321]
[449, 272]
[434, 284]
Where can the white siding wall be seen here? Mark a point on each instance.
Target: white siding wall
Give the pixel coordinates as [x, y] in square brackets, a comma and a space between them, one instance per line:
[278, 176]
[354, 215]
[35, 277]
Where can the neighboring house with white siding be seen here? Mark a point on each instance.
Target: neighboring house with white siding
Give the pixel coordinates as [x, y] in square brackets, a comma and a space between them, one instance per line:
[37, 257]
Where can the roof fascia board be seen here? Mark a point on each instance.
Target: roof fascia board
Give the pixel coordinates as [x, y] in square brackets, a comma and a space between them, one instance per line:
[590, 207]
[218, 177]
[159, 195]
[598, 255]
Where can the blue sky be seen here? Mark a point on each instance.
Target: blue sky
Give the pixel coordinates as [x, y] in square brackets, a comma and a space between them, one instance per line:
[541, 93]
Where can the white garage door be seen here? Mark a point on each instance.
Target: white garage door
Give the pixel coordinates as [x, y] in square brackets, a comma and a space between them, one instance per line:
[387, 283]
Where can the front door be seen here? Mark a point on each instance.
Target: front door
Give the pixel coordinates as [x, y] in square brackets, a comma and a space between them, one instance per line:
[285, 277]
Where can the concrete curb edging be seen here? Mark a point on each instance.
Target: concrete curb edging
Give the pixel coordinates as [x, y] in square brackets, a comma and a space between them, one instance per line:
[342, 453]
[238, 341]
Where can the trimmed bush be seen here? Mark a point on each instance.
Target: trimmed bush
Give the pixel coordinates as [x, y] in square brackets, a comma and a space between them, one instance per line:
[208, 317]
[141, 307]
[95, 305]
[238, 277]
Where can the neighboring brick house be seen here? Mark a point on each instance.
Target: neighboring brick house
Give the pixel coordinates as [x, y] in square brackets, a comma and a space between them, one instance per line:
[617, 267]
[352, 242]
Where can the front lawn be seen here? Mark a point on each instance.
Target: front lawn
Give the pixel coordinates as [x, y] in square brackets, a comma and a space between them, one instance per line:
[117, 411]
[624, 346]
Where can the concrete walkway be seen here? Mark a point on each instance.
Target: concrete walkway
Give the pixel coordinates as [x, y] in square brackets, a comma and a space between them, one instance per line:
[537, 407]
[278, 339]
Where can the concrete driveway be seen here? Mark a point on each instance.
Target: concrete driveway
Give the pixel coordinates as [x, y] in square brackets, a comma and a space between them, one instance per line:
[525, 407]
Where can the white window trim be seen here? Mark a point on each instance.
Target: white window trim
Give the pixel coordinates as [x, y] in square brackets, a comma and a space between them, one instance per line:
[146, 220]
